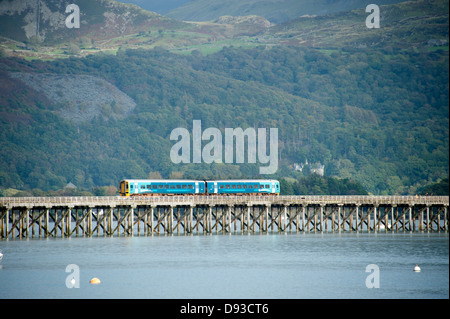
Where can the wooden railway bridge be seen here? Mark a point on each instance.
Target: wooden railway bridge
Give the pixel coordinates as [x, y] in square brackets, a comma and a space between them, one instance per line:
[28, 217]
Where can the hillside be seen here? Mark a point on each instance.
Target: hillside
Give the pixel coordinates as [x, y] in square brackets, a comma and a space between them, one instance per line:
[392, 137]
[276, 11]
[99, 20]
[159, 6]
[374, 111]
[403, 25]
[111, 26]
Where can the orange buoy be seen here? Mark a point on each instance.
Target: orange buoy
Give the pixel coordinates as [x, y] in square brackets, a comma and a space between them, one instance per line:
[95, 281]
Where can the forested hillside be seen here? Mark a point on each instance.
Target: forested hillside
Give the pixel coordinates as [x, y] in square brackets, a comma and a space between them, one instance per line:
[381, 122]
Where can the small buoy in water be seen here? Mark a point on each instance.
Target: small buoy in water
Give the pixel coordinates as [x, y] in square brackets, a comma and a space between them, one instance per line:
[95, 281]
[416, 268]
[72, 281]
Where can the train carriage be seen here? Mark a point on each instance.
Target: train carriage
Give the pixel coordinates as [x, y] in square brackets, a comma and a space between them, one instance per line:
[243, 187]
[150, 187]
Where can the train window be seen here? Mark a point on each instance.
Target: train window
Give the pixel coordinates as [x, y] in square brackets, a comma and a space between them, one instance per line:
[149, 186]
[131, 186]
[228, 186]
[166, 186]
[250, 186]
[178, 186]
[191, 186]
[267, 186]
[233, 186]
[172, 186]
[154, 186]
[261, 186]
[239, 186]
[244, 186]
[184, 186]
[160, 186]
[222, 187]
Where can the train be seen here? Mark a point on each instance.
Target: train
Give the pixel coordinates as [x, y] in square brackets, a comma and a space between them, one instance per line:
[167, 187]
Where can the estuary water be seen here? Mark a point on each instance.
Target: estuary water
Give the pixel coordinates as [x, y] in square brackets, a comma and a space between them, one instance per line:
[269, 266]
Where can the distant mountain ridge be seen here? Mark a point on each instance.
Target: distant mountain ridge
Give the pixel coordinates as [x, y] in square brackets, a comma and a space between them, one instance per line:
[107, 25]
[276, 11]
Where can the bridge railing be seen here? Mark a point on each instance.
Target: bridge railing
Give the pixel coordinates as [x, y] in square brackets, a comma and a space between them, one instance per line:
[223, 200]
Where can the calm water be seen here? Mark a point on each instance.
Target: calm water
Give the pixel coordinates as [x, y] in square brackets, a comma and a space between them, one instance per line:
[228, 266]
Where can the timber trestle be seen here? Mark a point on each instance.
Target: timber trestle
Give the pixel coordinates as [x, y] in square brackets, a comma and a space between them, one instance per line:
[28, 217]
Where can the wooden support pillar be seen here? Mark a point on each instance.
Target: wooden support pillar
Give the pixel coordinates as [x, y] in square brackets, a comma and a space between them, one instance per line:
[131, 220]
[90, 221]
[386, 221]
[284, 220]
[392, 217]
[357, 218]
[339, 217]
[235, 209]
[323, 218]
[421, 220]
[27, 221]
[229, 218]
[191, 219]
[3, 223]
[8, 215]
[247, 217]
[47, 212]
[350, 219]
[404, 219]
[210, 219]
[446, 218]
[152, 216]
[304, 208]
[170, 221]
[178, 220]
[438, 220]
[158, 219]
[375, 219]
[333, 219]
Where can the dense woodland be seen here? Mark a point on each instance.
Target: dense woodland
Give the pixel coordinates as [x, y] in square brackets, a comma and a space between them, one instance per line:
[377, 119]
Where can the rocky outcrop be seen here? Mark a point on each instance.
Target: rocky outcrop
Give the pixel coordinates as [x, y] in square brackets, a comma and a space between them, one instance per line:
[251, 19]
[80, 98]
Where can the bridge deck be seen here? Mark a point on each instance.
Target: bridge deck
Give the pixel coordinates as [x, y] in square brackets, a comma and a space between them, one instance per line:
[223, 200]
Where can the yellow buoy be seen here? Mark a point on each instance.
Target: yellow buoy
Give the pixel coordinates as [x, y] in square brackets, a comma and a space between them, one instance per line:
[95, 281]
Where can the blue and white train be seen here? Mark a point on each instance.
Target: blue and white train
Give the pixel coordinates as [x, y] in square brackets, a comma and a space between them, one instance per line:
[159, 187]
